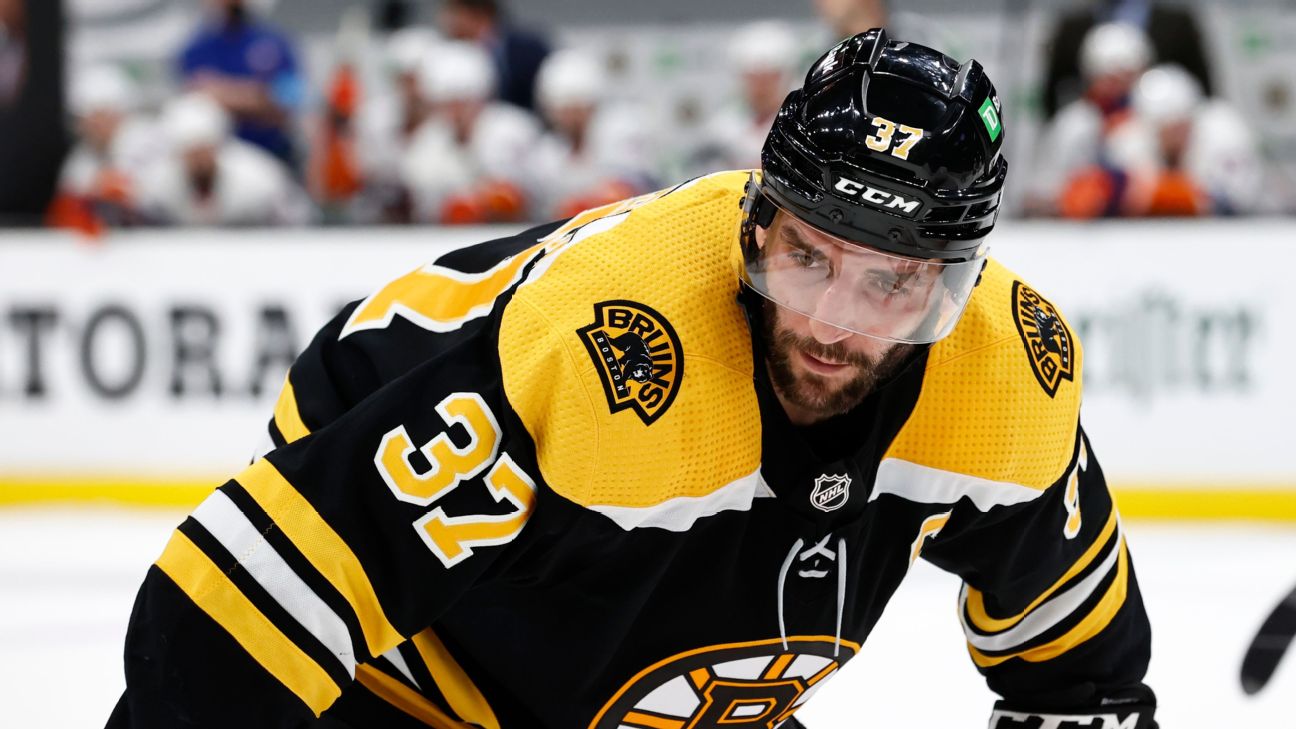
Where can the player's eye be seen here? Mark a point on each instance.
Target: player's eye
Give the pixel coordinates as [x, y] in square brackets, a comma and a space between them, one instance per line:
[800, 258]
[804, 259]
[890, 284]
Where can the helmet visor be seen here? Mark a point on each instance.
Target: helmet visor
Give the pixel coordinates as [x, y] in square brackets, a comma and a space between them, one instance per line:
[851, 286]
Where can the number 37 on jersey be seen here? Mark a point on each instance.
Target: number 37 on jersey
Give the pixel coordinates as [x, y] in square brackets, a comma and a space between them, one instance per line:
[452, 538]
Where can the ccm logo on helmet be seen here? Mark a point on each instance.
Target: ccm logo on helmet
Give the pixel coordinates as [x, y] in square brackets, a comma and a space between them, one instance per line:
[876, 197]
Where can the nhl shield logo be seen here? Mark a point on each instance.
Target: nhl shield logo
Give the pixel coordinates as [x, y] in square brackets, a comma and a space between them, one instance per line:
[1049, 344]
[637, 355]
[830, 492]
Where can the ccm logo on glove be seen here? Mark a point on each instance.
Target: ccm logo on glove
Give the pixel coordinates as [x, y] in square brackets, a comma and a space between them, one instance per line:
[1027, 720]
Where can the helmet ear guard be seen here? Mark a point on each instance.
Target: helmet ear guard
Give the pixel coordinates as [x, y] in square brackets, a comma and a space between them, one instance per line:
[758, 212]
[755, 205]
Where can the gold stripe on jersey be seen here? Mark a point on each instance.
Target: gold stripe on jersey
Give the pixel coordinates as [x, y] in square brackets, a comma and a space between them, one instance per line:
[459, 691]
[930, 527]
[776, 669]
[674, 253]
[982, 411]
[441, 299]
[215, 594]
[286, 416]
[1093, 623]
[438, 298]
[638, 720]
[323, 548]
[983, 622]
[405, 698]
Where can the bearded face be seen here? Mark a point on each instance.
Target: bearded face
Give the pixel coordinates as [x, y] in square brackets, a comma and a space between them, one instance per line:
[820, 370]
[817, 377]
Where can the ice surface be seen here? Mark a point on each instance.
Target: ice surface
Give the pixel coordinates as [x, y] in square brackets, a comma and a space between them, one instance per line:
[68, 578]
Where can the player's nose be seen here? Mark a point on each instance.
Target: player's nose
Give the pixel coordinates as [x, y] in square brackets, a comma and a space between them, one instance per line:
[827, 333]
[831, 303]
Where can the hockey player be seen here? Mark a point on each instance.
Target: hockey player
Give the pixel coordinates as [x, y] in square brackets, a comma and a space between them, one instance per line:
[115, 143]
[210, 178]
[465, 164]
[386, 124]
[486, 509]
[1186, 155]
[765, 56]
[251, 68]
[1072, 175]
[595, 151]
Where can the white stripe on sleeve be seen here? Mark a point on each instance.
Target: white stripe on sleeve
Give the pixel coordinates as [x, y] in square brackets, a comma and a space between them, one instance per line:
[227, 523]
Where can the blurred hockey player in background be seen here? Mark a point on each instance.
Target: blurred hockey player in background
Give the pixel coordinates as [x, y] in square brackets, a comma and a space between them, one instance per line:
[595, 151]
[765, 54]
[1072, 176]
[13, 51]
[209, 178]
[386, 125]
[844, 18]
[1172, 29]
[115, 143]
[250, 67]
[516, 52]
[1186, 155]
[664, 464]
[465, 162]
[333, 176]
[848, 17]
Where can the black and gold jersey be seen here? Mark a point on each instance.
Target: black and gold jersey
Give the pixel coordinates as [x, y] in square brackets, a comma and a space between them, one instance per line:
[545, 482]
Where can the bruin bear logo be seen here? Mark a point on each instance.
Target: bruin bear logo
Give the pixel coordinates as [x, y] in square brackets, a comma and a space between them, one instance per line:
[756, 685]
[636, 362]
[1048, 330]
[1048, 341]
[638, 357]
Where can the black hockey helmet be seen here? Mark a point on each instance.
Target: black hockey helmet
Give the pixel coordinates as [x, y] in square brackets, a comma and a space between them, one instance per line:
[892, 147]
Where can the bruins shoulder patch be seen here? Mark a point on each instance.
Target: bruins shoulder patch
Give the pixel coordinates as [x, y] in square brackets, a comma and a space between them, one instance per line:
[638, 357]
[1048, 341]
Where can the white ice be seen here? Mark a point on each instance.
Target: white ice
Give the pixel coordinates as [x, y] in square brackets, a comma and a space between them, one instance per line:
[68, 578]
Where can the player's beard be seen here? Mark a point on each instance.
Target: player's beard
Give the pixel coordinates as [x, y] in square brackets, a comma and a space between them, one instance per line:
[819, 396]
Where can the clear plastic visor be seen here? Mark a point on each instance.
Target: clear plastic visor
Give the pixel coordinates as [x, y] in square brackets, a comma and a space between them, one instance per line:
[853, 287]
